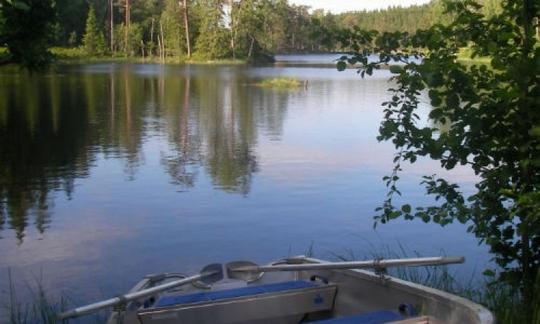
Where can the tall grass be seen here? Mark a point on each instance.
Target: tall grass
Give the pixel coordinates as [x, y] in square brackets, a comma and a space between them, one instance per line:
[38, 309]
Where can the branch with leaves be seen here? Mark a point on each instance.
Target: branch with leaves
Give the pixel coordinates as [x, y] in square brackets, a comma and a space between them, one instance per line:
[483, 116]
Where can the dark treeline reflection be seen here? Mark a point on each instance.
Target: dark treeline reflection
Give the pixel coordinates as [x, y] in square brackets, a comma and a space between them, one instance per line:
[55, 127]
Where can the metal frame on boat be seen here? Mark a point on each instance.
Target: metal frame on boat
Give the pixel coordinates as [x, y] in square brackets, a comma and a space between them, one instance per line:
[294, 290]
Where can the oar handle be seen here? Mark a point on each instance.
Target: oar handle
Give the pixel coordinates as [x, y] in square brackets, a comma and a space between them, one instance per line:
[377, 264]
[88, 309]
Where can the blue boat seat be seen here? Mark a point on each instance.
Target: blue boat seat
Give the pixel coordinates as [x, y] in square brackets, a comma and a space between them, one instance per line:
[232, 293]
[379, 317]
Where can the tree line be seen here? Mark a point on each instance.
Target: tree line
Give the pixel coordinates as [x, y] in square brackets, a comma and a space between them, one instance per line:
[206, 29]
[215, 29]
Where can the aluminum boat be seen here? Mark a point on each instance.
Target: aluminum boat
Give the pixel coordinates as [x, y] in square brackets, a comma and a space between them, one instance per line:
[291, 291]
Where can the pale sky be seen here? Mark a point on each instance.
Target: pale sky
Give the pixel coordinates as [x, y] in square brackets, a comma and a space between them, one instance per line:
[337, 6]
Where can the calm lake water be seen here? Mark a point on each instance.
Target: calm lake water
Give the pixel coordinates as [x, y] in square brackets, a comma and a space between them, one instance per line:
[112, 171]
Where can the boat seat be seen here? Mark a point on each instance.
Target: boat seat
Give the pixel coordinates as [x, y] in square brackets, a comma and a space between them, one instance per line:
[379, 317]
[284, 302]
[232, 293]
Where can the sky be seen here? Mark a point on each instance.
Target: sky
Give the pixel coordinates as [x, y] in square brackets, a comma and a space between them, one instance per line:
[337, 6]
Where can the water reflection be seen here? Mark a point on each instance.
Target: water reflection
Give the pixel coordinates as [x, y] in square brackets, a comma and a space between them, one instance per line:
[43, 148]
[53, 126]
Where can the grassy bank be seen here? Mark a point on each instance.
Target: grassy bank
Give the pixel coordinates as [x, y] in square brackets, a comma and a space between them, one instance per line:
[78, 55]
[465, 55]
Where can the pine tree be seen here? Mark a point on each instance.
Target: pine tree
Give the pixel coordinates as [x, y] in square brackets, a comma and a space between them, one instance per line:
[93, 41]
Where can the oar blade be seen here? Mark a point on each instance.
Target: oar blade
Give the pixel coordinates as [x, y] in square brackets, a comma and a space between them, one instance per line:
[237, 270]
[212, 273]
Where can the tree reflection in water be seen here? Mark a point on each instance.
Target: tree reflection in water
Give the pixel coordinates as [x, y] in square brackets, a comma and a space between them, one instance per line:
[54, 127]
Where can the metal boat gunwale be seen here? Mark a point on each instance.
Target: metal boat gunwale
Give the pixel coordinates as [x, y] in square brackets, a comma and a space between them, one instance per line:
[484, 315]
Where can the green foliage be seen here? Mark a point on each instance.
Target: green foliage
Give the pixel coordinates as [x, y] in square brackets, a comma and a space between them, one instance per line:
[492, 126]
[392, 19]
[119, 38]
[135, 39]
[4, 54]
[72, 16]
[26, 28]
[93, 40]
[173, 29]
[2, 21]
[212, 42]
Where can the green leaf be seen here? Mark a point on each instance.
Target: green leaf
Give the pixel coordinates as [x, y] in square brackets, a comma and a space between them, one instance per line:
[435, 98]
[406, 208]
[535, 131]
[396, 69]
[341, 66]
[21, 5]
[489, 273]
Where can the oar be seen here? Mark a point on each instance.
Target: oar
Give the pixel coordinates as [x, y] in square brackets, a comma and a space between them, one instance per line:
[243, 270]
[209, 274]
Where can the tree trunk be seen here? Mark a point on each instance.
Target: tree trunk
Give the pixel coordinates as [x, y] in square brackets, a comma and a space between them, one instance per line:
[186, 27]
[251, 47]
[128, 20]
[162, 42]
[152, 39]
[111, 8]
[159, 46]
[231, 3]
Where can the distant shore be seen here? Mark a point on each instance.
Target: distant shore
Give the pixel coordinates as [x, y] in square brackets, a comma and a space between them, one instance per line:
[64, 55]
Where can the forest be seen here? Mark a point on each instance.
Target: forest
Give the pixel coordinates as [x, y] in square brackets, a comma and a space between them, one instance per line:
[251, 30]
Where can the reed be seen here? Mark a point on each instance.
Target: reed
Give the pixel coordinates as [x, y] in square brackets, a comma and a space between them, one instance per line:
[37, 308]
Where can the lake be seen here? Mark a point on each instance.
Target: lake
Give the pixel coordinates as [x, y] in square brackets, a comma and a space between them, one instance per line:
[112, 171]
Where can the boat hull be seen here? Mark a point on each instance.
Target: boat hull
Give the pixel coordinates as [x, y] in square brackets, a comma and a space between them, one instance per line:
[331, 294]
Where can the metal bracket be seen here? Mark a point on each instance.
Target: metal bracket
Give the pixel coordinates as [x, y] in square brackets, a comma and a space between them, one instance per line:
[381, 271]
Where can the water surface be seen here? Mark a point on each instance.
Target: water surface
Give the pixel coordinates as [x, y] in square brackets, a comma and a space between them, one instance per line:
[111, 171]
